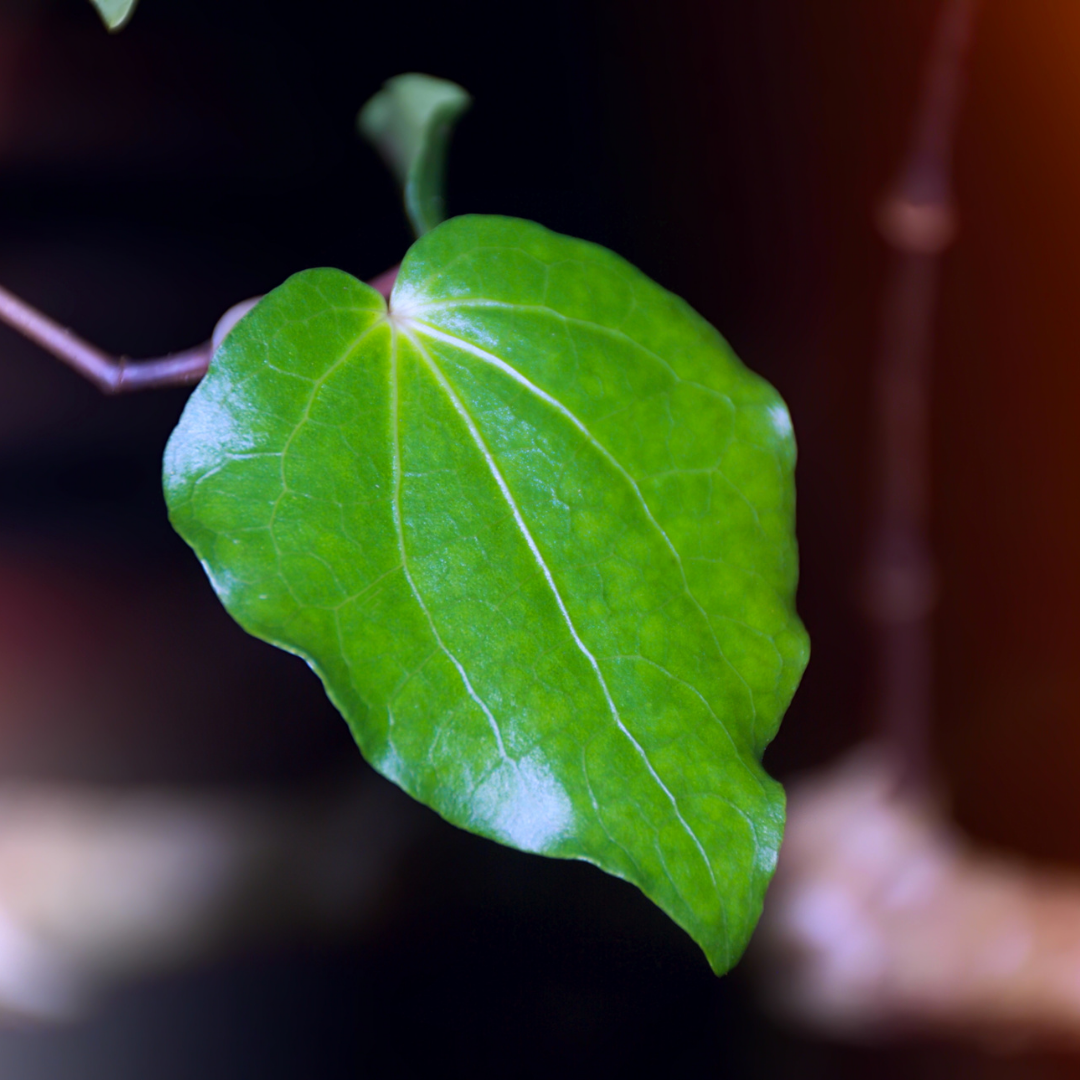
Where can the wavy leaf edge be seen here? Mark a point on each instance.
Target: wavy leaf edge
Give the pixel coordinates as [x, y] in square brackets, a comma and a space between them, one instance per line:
[404, 320]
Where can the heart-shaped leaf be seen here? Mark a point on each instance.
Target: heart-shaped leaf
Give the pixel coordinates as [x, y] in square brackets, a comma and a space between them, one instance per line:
[533, 527]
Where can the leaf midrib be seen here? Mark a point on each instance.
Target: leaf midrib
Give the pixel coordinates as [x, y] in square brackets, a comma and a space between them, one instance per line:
[500, 481]
[395, 429]
[508, 369]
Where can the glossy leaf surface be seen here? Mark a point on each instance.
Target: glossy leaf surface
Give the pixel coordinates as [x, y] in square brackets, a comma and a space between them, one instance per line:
[410, 122]
[533, 527]
[115, 13]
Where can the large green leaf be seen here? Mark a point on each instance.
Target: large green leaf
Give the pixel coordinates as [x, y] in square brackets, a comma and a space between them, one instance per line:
[115, 13]
[533, 527]
[410, 121]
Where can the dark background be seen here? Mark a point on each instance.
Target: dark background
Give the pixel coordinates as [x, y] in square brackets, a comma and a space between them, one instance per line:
[731, 148]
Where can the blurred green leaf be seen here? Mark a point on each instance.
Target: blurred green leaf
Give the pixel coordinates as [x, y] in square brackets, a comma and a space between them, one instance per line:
[115, 13]
[410, 122]
[533, 528]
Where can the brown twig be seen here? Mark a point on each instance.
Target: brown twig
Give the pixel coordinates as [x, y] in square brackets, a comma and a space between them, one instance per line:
[110, 374]
[118, 374]
[918, 221]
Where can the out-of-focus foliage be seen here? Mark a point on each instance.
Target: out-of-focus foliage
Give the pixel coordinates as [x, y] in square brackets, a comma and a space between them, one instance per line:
[410, 122]
[115, 13]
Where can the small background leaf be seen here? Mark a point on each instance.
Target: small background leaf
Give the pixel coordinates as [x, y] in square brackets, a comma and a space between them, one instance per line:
[410, 122]
[115, 13]
[533, 527]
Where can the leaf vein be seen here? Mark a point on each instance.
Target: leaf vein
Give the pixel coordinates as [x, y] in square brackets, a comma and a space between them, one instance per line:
[500, 480]
[396, 502]
[509, 369]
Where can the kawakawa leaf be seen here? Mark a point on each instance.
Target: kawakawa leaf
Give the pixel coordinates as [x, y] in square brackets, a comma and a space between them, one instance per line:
[410, 121]
[533, 528]
[115, 13]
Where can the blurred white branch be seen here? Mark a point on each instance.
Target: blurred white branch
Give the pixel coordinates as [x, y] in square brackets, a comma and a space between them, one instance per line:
[882, 920]
[97, 886]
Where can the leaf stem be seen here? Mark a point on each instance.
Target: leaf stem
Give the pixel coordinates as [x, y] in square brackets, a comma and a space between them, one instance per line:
[918, 221]
[119, 374]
